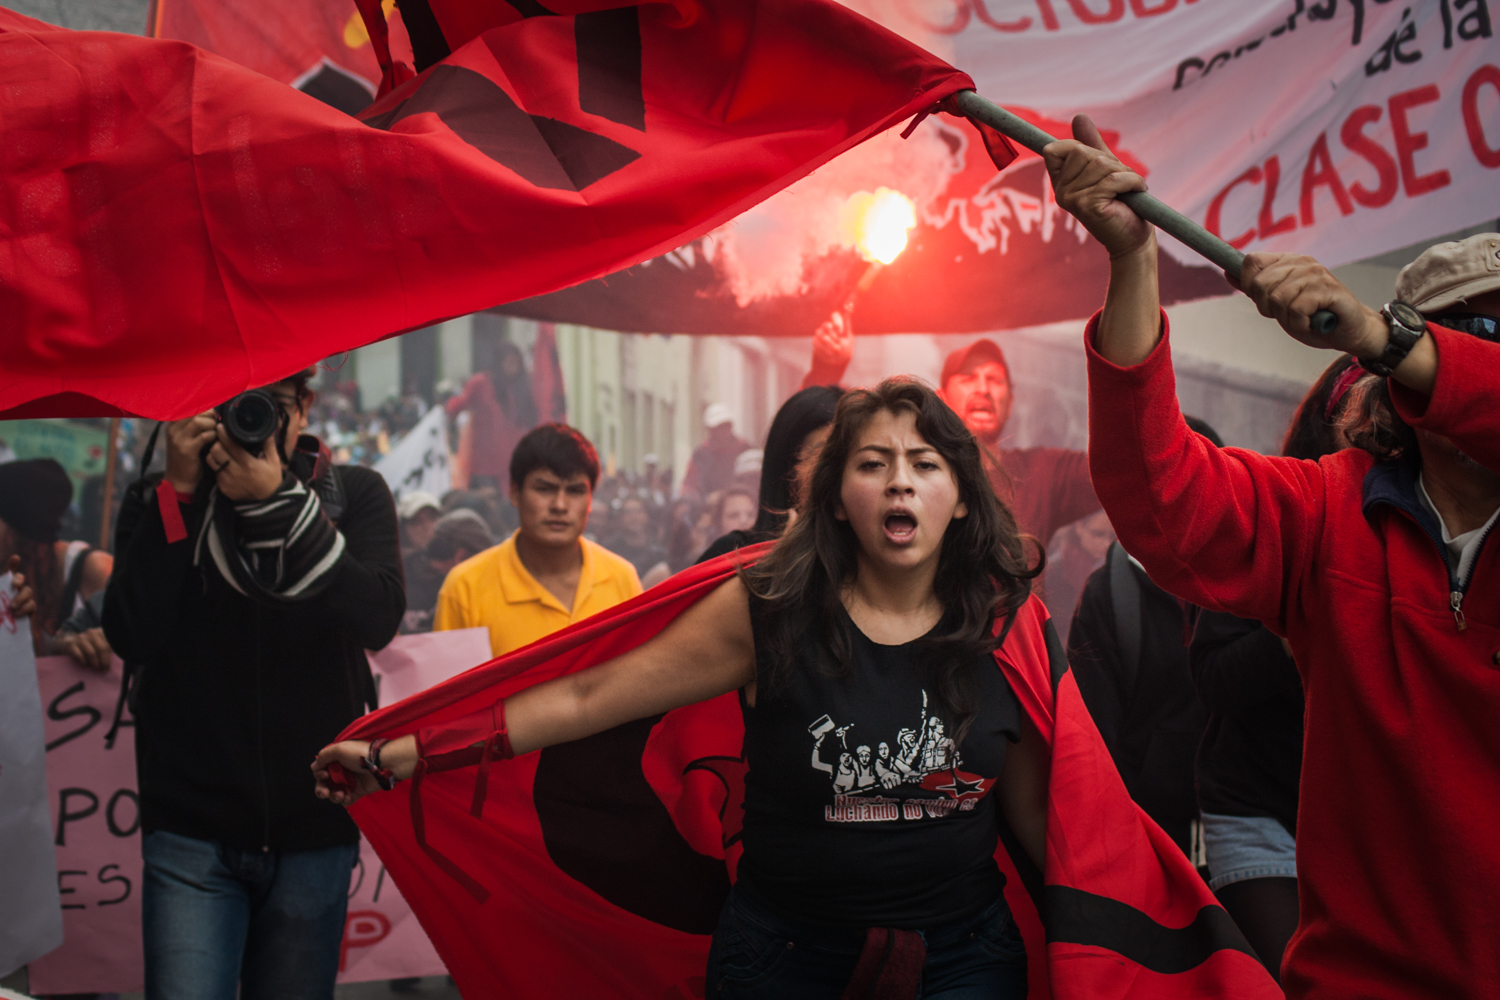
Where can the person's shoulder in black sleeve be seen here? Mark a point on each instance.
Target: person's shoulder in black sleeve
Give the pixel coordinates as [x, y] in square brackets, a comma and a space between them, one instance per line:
[142, 597]
[368, 597]
[1238, 663]
[1093, 656]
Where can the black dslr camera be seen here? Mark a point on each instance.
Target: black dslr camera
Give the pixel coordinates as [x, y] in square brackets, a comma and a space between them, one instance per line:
[250, 418]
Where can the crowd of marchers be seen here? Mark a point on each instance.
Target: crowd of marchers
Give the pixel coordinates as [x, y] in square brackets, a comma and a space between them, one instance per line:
[1255, 649]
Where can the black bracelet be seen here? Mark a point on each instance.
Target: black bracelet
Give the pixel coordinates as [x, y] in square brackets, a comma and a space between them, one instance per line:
[382, 775]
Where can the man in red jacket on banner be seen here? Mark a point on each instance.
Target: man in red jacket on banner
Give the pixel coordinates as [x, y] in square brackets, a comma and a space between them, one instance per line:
[1371, 562]
[838, 727]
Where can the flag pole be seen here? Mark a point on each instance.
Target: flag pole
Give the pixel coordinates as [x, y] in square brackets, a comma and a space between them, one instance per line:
[1162, 216]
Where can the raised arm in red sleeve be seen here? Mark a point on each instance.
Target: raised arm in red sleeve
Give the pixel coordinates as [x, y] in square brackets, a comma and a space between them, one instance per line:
[1228, 529]
[1462, 406]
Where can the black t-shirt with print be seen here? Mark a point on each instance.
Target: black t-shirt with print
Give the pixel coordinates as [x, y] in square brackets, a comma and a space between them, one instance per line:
[859, 809]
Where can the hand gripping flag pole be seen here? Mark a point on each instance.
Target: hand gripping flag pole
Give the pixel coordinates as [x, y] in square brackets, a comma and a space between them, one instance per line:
[1163, 217]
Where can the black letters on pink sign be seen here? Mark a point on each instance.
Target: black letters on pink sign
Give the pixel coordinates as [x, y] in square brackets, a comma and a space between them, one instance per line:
[66, 815]
[546, 152]
[56, 713]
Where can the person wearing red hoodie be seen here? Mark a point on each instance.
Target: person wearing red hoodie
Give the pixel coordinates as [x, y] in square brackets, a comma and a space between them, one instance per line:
[1371, 562]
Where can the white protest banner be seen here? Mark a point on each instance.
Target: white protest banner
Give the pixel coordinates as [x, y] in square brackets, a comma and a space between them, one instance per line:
[95, 815]
[420, 460]
[30, 918]
[1337, 128]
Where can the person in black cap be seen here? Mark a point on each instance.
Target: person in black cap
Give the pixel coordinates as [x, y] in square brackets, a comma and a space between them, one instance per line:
[1046, 487]
[34, 495]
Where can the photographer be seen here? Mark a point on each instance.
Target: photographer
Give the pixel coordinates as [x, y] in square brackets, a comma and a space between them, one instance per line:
[249, 582]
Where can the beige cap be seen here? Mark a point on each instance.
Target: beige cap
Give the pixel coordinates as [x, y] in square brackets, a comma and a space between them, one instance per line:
[1450, 273]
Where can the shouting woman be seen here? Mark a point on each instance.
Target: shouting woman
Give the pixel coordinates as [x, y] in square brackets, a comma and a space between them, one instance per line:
[871, 625]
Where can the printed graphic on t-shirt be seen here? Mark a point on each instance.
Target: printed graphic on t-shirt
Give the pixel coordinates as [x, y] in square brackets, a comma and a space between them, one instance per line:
[914, 774]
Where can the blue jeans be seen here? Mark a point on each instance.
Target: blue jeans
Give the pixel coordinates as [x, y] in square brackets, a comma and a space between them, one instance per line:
[758, 953]
[220, 922]
[1240, 848]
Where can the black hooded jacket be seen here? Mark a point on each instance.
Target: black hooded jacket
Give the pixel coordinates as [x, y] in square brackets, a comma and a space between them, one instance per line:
[237, 693]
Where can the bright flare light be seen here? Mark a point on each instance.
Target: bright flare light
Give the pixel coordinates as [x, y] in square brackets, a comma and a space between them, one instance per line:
[877, 223]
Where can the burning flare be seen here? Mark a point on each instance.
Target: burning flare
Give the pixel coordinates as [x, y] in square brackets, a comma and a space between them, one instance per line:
[877, 223]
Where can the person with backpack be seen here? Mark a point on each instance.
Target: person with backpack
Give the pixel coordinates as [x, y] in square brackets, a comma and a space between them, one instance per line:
[250, 581]
[1128, 648]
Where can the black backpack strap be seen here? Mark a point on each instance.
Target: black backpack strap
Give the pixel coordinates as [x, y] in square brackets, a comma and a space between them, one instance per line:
[74, 581]
[1125, 595]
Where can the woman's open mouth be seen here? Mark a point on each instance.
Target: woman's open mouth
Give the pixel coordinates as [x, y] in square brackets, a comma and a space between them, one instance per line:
[900, 527]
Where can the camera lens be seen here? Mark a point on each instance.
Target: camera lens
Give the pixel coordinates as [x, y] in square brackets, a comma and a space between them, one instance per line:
[250, 418]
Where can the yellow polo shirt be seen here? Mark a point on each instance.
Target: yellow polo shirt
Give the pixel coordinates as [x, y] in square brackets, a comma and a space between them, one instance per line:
[495, 590]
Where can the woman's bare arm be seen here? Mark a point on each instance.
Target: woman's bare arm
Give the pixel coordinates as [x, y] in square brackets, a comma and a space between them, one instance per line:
[1023, 791]
[706, 652]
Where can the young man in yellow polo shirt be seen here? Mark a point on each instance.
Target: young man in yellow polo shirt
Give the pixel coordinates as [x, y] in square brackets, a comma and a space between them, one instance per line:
[547, 575]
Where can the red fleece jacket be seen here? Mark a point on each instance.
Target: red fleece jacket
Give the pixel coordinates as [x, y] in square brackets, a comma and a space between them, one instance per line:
[1399, 869]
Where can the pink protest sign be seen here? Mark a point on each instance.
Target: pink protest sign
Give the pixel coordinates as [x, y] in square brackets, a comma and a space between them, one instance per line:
[91, 791]
[96, 822]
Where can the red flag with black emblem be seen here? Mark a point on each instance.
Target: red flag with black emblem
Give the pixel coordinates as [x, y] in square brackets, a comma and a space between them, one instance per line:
[177, 228]
[599, 867]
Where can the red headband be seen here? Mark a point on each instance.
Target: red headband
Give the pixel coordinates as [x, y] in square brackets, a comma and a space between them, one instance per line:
[1341, 386]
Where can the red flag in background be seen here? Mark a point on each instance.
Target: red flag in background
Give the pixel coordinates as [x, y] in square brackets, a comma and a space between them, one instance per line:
[321, 47]
[598, 868]
[547, 387]
[175, 228]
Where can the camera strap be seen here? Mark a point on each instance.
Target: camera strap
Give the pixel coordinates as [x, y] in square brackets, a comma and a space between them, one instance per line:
[312, 462]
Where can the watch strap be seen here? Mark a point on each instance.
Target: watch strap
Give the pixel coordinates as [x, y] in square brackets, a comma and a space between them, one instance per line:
[1397, 346]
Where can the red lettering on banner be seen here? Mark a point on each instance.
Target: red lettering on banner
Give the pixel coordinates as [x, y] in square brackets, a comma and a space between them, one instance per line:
[983, 13]
[965, 10]
[1320, 172]
[1269, 225]
[362, 929]
[1486, 154]
[1083, 13]
[1216, 208]
[1373, 153]
[961, 14]
[1409, 142]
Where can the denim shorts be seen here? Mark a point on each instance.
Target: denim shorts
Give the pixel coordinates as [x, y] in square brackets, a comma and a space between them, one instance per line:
[759, 953]
[1246, 847]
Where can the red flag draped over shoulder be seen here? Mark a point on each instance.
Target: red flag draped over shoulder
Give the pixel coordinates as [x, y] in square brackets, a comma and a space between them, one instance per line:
[175, 228]
[598, 868]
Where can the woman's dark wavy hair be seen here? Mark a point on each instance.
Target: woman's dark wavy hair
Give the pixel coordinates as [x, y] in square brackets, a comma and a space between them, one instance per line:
[806, 411]
[1369, 420]
[982, 569]
[1314, 430]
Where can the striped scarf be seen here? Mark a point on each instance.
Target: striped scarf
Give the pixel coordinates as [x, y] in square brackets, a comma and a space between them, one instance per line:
[282, 548]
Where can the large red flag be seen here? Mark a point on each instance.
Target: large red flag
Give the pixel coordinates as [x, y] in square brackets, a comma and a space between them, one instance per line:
[175, 228]
[597, 868]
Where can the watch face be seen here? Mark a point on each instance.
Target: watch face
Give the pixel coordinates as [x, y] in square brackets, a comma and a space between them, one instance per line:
[1407, 316]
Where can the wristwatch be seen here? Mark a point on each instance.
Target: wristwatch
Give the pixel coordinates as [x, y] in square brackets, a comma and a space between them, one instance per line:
[1407, 327]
